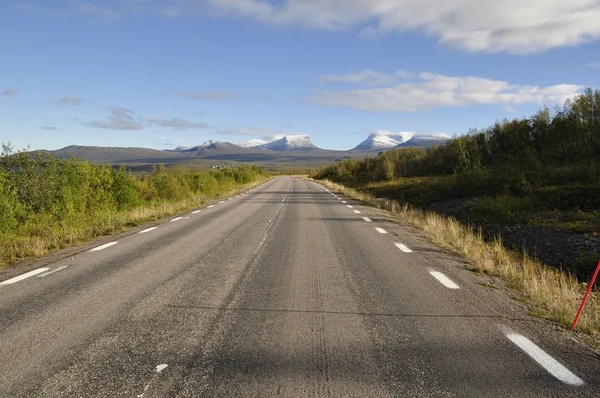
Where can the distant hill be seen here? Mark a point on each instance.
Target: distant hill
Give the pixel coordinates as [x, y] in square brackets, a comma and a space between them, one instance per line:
[113, 155]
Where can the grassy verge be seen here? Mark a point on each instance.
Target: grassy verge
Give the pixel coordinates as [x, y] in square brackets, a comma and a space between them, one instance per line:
[47, 204]
[551, 293]
[47, 235]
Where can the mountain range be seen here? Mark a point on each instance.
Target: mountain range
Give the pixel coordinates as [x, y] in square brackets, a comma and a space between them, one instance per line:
[291, 151]
[379, 140]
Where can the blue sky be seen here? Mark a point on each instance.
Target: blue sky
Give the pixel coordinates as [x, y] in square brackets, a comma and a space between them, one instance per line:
[160, 73]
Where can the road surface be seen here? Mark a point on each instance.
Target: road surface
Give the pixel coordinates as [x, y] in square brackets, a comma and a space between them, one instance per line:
[285, 290]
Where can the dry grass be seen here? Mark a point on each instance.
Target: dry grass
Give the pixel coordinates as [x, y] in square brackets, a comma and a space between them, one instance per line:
[46, 236]
[551, 293]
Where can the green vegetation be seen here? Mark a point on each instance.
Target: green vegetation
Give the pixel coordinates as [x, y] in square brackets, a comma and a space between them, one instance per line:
[47, 203]
[542, 171]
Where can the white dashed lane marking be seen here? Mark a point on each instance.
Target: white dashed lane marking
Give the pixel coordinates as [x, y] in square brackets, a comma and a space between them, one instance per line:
[357, 212]
[24, 276]
[344, 202]
[105, 246]
[222, 202]
[349, 206]
[196, 211]
[177, 219]
[443, 279]
[211, 206]
[381, 230]
[543, 359]
[403, 248]
[367, 219]
[52, 271]
[147, 230]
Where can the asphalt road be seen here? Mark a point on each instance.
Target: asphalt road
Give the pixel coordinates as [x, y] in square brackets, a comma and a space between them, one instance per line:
[285, 290]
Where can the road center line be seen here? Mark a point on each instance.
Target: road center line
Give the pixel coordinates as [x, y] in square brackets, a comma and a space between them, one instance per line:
[147, 230]
[367, 219]
[52, 271]
[403, 248]
[443, 279]
[24, 276]
[543, 359]
[381, 230]
[176, 219]
[105, 246]
[357, 212]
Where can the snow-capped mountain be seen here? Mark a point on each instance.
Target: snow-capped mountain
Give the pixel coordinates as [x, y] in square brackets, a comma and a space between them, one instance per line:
[256, 142]
[426, 140]
[210, 143]
[382, 139]
[182, 148]
[289, 143]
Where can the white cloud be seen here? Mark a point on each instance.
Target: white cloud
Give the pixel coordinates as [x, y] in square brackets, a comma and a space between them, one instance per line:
[593, 65]
[70, 100]
[435, 90]
[513, 26]
[178, 123]
[366, 76]
[119, 119]
[9, 91]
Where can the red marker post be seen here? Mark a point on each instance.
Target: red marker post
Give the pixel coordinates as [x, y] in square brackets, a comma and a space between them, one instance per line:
[587, 293]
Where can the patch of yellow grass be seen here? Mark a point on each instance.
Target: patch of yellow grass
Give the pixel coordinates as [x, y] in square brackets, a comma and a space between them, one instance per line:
[552, 293]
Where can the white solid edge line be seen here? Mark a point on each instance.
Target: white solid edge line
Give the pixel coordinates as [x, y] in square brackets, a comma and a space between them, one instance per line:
[211, 206]
[147, 230]
[403, 248]
[443, 279]
[543, 359]
[196, 211]
[24, 276]
[176, 219]
[357, 212]
[105, 246]
[381, 230]
[52, 271]
[367, 219]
